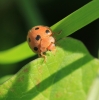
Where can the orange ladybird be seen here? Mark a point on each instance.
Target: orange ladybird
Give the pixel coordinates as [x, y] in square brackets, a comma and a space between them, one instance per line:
[40, 40]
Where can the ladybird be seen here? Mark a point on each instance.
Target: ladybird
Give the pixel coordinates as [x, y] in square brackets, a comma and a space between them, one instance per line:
[40, 40]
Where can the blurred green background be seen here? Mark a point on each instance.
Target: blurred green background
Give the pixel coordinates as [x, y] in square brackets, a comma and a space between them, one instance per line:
[18, 16]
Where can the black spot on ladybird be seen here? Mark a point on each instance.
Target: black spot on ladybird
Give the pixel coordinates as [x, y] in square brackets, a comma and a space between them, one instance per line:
[47, 31]
[29, 40]
[36, 28]
[38, 37]
[35, 48]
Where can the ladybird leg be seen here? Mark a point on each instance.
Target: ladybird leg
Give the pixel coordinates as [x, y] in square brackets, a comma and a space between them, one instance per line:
[39, 55]
[43, 56]
[58, 33]
[43, 48]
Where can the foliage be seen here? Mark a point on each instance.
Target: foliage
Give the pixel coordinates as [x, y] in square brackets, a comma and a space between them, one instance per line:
[67, 75]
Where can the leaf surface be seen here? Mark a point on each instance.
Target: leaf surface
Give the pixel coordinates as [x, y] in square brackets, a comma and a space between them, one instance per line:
[66, 75]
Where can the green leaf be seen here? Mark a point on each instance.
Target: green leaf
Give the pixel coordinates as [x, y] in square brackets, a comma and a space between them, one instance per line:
[68, 25]
[5, 78]
[78, 19]
[16, 54]
[94, 91]
[66, 75]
